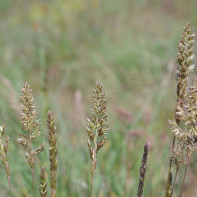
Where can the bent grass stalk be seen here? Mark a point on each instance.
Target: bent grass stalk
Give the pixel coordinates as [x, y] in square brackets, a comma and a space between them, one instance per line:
[97, 127]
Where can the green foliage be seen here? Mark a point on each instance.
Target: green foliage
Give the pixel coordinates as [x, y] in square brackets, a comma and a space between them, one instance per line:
[61, 48]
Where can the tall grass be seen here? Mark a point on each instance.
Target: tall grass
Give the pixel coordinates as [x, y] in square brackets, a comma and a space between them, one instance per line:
[115, 45]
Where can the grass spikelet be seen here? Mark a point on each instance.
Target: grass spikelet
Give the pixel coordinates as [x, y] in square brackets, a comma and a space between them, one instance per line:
[143, 169]
[52, 153]
[43, 183]
[3, 152]
[185, 57]
[30, 125]
[184, 126]
[97, 126]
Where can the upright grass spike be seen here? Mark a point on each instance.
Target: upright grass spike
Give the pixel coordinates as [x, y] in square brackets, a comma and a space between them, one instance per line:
[43, 183]
[184, 126]
[143, 169]
[185, 67]
[3, 153]
[52, 153]
[30, 125]
[97, 126]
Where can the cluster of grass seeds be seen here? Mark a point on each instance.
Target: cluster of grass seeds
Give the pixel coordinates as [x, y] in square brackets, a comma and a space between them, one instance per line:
[43, 183]
[52, 153]
[184, 127]
[97, 126]
[30, 126]
[143, 169]
[3, 152]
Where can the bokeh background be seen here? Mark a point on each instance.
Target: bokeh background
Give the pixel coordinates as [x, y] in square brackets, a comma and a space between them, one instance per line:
[61, 48]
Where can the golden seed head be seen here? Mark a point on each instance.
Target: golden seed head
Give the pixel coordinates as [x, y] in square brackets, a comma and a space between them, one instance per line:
[29, 124]
[185, 57]
[97, 124]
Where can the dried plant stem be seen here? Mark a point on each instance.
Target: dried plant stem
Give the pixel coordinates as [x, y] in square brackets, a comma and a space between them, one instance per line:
[188, 159]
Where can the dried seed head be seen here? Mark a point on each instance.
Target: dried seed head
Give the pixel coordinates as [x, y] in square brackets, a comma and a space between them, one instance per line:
[29, 124]
[97, 124]
[43, 183]
[52, 153]
[143, 169]
[3, 151]
[187, 136]
[185, 57]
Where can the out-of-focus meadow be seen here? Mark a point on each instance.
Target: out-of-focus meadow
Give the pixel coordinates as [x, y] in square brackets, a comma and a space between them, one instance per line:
[62, 48]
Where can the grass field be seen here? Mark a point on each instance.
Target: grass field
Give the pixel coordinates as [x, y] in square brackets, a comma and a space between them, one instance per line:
[62, 48]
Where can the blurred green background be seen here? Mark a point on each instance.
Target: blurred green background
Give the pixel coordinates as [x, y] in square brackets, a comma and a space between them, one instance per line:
[61, 48]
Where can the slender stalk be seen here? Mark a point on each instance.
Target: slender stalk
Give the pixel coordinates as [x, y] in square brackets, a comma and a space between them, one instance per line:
[177, 169]
[32, 173]
[97, 127]
[92, 179]
[170, 166]
[188, 158]
[9, 185]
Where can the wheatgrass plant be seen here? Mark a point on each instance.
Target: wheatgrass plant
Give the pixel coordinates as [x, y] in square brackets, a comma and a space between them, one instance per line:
[3, 152]
[43, 183]
[52, 153]
[143, 169]
[97, 126]
[30, 125]
[184, 127]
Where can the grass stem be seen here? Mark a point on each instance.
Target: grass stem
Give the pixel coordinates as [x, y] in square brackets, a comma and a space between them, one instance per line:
[188, 158]
[177, 169]
[92, 179]
[32, 173]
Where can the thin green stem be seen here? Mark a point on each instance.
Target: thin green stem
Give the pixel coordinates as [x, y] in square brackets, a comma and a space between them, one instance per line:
[177, 169]
[8, 177]
[170, 166]
[92, 179]
[32, 173]
[188, 158]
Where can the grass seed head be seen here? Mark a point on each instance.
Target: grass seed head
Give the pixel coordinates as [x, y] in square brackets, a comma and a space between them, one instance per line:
[185, 57]
[3, 151]
[52, 153]
[97, 124]
[43, 183]
[29, 124]
[143, 169]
